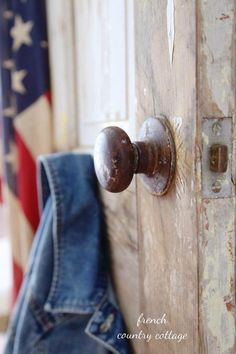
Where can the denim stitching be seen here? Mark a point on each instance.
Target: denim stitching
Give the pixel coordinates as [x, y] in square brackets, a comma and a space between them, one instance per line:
[42, 317]
[58, 216]
[111, 346]
[60, 239]
[59, 222]
[56, 226]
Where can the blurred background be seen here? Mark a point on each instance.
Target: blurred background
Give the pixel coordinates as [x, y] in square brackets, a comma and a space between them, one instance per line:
[62, 80]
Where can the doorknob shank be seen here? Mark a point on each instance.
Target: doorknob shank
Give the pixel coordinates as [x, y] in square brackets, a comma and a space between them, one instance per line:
[117, 159]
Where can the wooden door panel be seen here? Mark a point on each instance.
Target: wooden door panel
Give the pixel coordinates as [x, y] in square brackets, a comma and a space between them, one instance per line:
[168, 225]
[121, 220]
[216, 94]
[187, 241]
[172, 255]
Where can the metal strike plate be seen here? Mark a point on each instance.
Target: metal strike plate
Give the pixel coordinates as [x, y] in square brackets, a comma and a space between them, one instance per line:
[216, 157]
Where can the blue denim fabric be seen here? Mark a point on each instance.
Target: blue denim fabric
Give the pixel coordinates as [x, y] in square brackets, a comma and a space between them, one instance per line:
[66, 304]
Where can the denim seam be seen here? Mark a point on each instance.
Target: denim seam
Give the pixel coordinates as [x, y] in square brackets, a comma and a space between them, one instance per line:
[99, 340]
[52, 176]
[39, 165]
[42, 179]
[104, 344]
[59, 227]
[57, 322]
[40, 315]
[55, 325]
[90, 309]
[58, 246]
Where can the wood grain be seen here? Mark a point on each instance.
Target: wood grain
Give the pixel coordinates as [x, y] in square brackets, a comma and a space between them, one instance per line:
[168, 225]
[63, 72]
[121, 221]
[216, 93]
[172, 255]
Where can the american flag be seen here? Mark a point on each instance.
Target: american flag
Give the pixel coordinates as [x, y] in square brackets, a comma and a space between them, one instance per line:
[26, 117]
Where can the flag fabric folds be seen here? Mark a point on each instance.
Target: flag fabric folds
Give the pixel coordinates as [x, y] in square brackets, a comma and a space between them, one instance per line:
[26, 118]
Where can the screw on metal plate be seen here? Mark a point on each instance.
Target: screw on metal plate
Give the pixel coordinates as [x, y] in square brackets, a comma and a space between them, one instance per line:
[216, 157]
[216, 186]
[216, 128]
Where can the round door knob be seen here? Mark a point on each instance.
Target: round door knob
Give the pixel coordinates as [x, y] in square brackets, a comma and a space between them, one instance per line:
[117, 159]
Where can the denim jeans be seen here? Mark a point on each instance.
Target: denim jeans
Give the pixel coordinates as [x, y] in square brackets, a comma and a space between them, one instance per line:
[66, 303]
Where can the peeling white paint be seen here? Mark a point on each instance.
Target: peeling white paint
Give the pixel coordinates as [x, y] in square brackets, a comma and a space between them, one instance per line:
[218, 33]
[170, 14]
[177, 121]
[218, 272]
[205, 138]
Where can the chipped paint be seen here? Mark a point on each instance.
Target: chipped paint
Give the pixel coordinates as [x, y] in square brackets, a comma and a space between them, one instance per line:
[218, 29]
[170, 13]
[218, 271]
[205, 138]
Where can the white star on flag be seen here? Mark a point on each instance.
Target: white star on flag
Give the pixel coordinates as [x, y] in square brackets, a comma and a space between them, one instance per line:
[17, 78]
[21, 32]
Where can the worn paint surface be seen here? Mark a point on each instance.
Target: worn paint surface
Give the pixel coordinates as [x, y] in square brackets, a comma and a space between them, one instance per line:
[121, 222]
[167, 225]
[155, 261]
[170, 20]
[62, 69]
[217, 30]
[181, 157]
[216, 93]
[217, 276]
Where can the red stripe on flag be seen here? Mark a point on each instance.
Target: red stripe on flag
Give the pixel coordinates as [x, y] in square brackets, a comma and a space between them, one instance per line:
[26, 182]
[17, 279]
[48, 96]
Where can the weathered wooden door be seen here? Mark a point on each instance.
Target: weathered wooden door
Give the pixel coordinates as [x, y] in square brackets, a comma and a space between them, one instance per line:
[175, 255]
[171, 256]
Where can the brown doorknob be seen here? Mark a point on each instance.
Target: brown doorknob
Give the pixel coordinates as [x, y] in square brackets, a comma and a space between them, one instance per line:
[117, 159]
